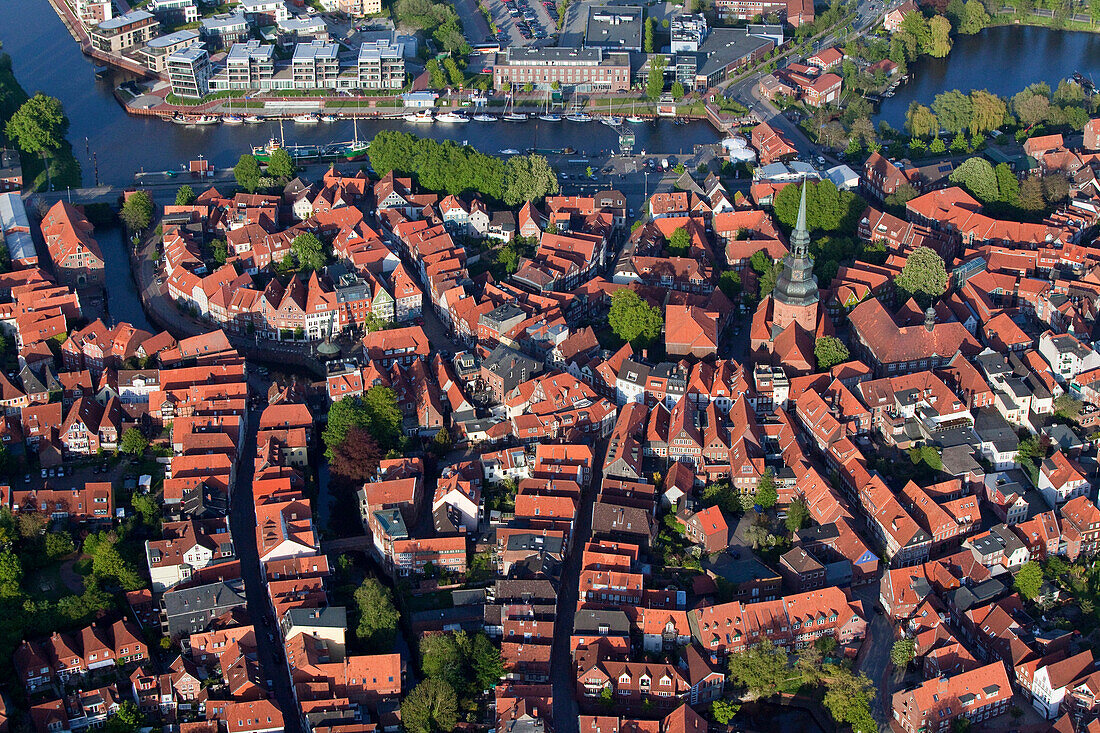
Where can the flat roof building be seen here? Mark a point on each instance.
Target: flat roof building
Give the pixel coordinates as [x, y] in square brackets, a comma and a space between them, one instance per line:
[15, 231]
[614, 27]
[157, 51]
[125, 31]
[189, 72]
[381, 65]
[585, 70]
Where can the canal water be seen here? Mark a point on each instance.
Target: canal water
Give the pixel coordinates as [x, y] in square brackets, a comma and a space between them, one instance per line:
[1002, 60]
[45, 58]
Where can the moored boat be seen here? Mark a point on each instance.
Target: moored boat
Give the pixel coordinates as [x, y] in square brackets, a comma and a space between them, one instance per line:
[253, 119]
[421, 116]
[515, 117]
[579, 117]
[232, 120]
[482, 117]
[550, 117]
[452, 117]
[328, 118]
[306, 119]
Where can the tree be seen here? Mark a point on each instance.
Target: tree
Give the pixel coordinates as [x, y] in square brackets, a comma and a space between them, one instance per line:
[830, 351]
[133, 442]
[11, 575]
[903, 194]
[137, 211]
[761, 668]
[247, 172]
[920, 121]
[655, 84]
[376, 412]
[974, 18]
[798, 515]
[723, 711]
[1032, 105]
[127, 718]
[766, 494]
[923, 277]
[953, 109]
[902, 653]
[281, 166]
[1008, 186]
[308, 251]
[987, 112]
[108, 563]
[937, 146]
[810, 664]
[677, 91]
[527, 178]
[1067, 408]
[977, 177]
[377, 615]
[634, 320]
[454, 74]
[915, 35]
[146, 507]
[39, 125]
[59, 544]
[1029, 580]
[357, 456]
[432, 707]
[649, 23]
[722, 495]
[679, 242]
[1056, 187]
[848, 699]
[185, 196]
[1031, 194]
[220, 251]
[441, 657]
[939, 29]
[485, 660]
[508, 258]
[729, 282]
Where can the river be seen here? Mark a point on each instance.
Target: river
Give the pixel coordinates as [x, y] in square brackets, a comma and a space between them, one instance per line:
[1002, 60]
[45, 58]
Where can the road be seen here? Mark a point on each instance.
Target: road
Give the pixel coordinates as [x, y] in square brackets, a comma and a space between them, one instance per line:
[562, 675]
[242, 522]
[874, 654]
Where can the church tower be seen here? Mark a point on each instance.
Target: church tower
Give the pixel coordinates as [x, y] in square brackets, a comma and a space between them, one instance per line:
[795, 297]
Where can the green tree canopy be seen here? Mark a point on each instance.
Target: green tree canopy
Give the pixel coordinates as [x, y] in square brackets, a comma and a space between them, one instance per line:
[761, 668]
[376, 412]
[827, 209]
[679, 242]
[39, 125]
[677, 91]
[137, 211]
[308, 251]
[1029, 580]
[953, 109]
[848, 699]
[974, 18]
[798, 515]
[902, 652]
[977, 177]
[432, 707]
[766, 494]
[133, 442]
[939, 29]
[723, 711]
[655, 84]
[729, 282]
[377, 615]
[830, 351]
[923, 277]
[528, 178]
[247, 172]
[281, 166]
[185, 196]
[987, 112]
[634, 320]
[920, 121]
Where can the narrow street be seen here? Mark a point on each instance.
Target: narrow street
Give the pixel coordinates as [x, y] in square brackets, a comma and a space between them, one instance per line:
[242, 519]
[562, 677]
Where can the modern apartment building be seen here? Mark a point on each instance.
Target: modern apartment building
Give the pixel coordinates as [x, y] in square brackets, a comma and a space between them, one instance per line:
[189, 72]
[174, 12]
[585, 70]
[359, 7]
[265, 12]
[249, 65]
[157, 51]
[93, 12]
[124, 32]
[381, 65]
[315, 65]
[224, 30]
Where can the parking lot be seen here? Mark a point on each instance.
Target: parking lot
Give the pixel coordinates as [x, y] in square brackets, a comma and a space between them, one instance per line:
[576, 17]
[523, 22]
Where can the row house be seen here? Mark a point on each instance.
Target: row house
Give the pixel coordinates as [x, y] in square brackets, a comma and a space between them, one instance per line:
[64, 656]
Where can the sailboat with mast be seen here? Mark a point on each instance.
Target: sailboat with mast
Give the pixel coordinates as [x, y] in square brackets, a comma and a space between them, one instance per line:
[547, 115]
[633, 118]
[356, 149]
[577, 114]
[510, 114]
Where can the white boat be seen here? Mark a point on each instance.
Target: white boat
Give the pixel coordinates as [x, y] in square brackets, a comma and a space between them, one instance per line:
[579, 117]
[550, 117]
[484, 118]
[253, 119]
[328, 118]
[232, 120]
[452, 117]
[515, 117]
[306, 119]
[509, 151]
[633, 118]
[612, 120]
[421, 116]
[205, 120]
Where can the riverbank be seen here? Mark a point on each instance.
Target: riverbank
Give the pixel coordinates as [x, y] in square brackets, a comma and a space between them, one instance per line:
[63, 168]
